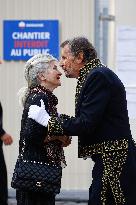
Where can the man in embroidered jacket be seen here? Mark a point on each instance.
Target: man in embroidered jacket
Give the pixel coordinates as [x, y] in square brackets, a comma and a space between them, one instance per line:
[101, 123]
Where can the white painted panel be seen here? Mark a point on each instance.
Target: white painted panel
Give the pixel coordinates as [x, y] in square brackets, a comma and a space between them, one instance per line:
[125, 53]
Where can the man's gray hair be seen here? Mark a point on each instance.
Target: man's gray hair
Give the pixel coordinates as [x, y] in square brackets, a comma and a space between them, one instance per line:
[81, 44]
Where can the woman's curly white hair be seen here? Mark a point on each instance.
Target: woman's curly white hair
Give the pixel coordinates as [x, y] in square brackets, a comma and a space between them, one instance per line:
[37, 64]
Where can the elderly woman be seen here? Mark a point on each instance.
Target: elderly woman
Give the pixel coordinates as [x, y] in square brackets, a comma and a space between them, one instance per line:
[42, 76]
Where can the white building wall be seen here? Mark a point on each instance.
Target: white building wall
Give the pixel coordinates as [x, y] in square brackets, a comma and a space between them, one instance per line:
[76, 18]
[126, 17]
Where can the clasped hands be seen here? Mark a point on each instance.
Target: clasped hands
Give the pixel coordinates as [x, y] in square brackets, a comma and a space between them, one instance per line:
[40, 115]
[65, 140]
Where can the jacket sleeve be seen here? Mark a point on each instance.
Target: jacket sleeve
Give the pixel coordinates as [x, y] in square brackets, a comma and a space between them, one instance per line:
[30, 129]
[94, 100]
[2, 131]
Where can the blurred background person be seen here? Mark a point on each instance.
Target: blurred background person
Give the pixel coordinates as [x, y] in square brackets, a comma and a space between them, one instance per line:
[7, 140]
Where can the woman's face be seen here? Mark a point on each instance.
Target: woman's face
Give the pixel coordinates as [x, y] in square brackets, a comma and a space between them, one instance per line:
[52, 75]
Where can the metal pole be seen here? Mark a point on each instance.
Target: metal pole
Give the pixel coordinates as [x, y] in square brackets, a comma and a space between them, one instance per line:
[105, 37]
[112, 36]
[97, 26]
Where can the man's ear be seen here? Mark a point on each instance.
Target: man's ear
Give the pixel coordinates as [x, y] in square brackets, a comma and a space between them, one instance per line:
[80, 58]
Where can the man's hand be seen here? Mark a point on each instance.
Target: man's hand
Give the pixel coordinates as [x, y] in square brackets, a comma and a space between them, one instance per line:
[7, 139]
[39, 114]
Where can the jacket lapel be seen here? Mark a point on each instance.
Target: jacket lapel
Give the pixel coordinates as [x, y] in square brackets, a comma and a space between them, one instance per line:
[82, 80]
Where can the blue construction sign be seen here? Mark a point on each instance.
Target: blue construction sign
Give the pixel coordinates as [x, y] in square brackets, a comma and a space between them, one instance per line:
[23, 39]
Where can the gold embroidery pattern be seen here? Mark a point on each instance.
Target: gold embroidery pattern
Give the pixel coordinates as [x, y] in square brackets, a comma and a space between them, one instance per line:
[113, 164]
[83, 74]
[55, 127]
[103, 147]
[114, 155]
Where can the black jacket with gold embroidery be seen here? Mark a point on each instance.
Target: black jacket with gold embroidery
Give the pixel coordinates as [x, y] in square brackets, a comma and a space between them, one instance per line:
[101, 118]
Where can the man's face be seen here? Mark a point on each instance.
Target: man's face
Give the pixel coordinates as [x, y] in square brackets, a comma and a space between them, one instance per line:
[69, 63]
[0, 62]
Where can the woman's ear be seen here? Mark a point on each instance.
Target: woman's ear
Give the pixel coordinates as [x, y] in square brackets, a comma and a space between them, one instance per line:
[41, 77]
